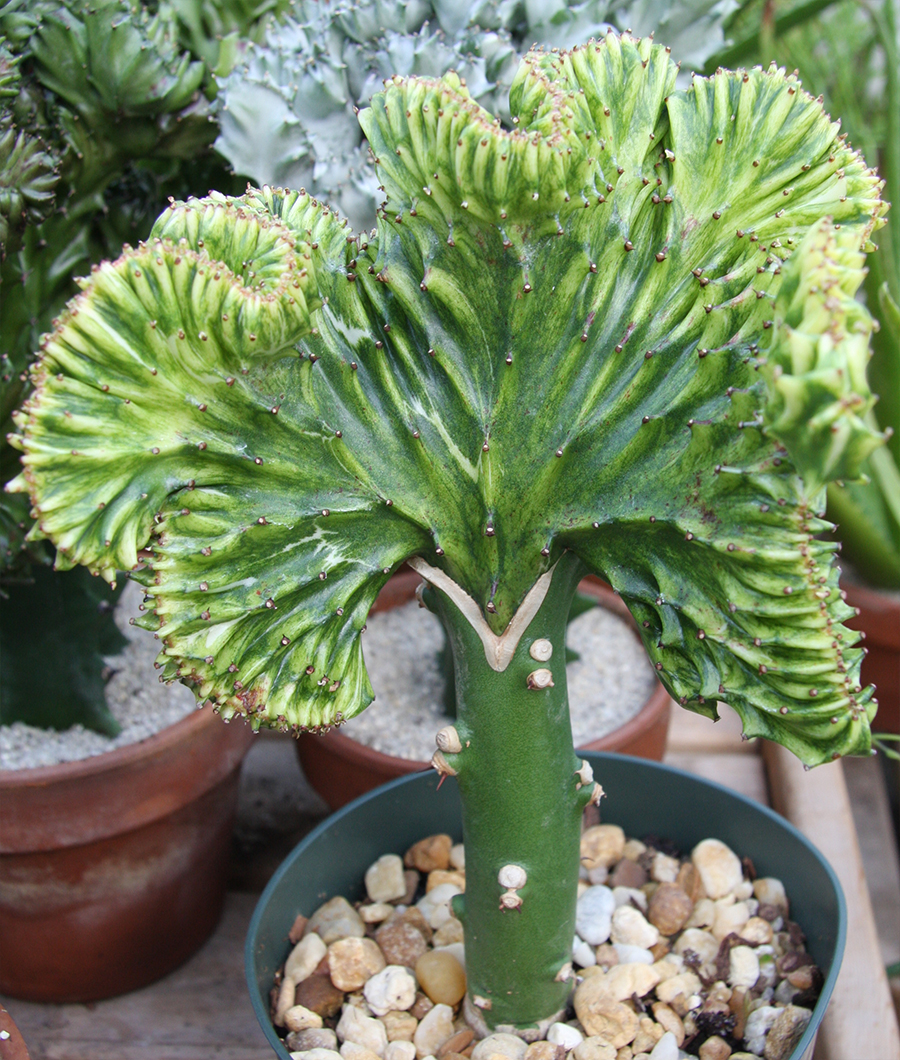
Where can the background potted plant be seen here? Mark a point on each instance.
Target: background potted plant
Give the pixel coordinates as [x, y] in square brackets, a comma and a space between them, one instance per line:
[104, 112]
[579, 326]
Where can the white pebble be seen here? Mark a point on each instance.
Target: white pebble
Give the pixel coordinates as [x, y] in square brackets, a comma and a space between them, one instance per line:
[435, 1027]
[564, 1035]
[719, 867]
[298, 1018]
[757, 1027]
[743, 967]
[770, 891]
[664, 868]
[629, 896]
[355, 1026]
[318, 1054]
[353, 1051]
[633, 954]
[393, 989]
[704, 914]
[593, 914]
[458, 856]
[336, 919]
[400, 1050]
[703, 943]
[729, 918]
[508, 1045]
[304, 958]
[375, 913]
[666, 1048]
[583, 954]
[629, 926]
[384, 879]
[435, 905]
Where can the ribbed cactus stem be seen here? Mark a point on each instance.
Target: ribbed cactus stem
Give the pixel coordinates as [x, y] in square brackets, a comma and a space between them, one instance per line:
[522, 803]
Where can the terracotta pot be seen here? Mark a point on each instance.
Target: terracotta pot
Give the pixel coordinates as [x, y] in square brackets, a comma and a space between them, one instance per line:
[341, 769]
[113, 868]
[879, 619]
[12, 1044]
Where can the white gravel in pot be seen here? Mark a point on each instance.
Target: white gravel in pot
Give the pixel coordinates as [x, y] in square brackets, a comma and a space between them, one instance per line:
[139, 702]
[608, 684]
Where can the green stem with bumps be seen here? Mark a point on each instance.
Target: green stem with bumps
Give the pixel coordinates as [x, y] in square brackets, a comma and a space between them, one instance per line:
[522, 806]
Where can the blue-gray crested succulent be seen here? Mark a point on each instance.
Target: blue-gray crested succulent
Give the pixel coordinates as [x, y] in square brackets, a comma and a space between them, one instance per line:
[287, 112]
[620, 338]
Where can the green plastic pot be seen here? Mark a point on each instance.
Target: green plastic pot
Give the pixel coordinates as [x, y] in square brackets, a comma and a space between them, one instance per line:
[644, 797]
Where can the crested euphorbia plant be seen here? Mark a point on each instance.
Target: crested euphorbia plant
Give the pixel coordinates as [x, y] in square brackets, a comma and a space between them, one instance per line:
[619, 338]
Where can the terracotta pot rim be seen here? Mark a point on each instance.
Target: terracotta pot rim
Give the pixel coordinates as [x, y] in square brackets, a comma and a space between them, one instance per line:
[108, 761]
[76, 803]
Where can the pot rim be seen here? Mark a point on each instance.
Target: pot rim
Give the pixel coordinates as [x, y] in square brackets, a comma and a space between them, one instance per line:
[801, 1051]
[107, 761]
[74, 803]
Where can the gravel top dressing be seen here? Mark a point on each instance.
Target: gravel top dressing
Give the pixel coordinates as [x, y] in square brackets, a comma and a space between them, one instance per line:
[608, 684]
[677, 956]
[138, 701]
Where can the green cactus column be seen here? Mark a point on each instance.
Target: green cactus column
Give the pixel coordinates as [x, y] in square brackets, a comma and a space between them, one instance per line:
[516, 766]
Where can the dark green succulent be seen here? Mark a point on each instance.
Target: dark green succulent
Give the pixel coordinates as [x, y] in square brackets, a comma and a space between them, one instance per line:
[620, 338]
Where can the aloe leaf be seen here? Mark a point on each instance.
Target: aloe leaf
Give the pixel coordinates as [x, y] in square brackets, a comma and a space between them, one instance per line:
[555, 343]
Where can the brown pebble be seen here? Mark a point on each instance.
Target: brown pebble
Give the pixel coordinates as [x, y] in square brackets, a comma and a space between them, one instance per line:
[461, 1040]
[769, 912]
[738, 1007]
[669, 1020]
[688, 879]
[400, 1026]
[297, 929]
[322, 968]
[607, 955]
[421, 1006]
[415, 917]
[411, 879]
[401, 943]
[791, 962]
[451, 1055]
[627, 873]
[807, 977]
[715, 1048]
[439, 876]
[660, 949]
[544, 1051]
[669, 908]
[353, 961]
[319, 995]
[441, 976]
[429, 854]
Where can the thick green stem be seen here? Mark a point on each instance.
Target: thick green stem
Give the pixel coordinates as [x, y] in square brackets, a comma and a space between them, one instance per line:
[522, 805]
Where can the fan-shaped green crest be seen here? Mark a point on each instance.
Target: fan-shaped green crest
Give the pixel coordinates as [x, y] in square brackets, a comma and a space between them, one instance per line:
[616, 329]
